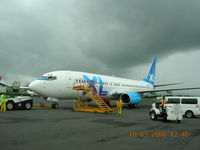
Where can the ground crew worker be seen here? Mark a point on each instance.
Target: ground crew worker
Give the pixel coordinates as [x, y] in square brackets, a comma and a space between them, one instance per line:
[119, 106]
[162, 104]
[3, 103]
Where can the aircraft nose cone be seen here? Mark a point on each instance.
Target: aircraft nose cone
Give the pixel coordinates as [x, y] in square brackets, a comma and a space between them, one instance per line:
[34, 86]
[38, 87]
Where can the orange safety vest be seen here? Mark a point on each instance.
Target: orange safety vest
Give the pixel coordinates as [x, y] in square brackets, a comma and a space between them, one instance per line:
[163, 103]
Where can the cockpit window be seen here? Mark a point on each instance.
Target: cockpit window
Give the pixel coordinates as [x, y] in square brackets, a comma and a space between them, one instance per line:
[52, 78]
[49, 77]
[44, 77]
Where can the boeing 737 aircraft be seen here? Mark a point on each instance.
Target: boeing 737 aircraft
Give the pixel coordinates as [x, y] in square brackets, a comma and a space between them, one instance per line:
[59, 84]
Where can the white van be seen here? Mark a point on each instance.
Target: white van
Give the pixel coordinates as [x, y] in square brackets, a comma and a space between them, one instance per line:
[190, 105]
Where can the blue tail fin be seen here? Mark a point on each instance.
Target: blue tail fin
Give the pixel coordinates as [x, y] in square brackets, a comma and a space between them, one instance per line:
[151, 75]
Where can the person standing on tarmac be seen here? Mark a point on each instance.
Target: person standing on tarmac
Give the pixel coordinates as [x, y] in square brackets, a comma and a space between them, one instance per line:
[3, 103]
[119, 106]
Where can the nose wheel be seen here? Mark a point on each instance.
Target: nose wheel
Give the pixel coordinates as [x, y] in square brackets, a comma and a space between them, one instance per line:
[55, 105]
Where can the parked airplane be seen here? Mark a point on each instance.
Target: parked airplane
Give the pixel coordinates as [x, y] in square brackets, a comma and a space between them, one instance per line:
[59, 84]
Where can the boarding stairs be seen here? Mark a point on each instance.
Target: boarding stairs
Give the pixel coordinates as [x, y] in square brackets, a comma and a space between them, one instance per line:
[103, 107]
[99, 101]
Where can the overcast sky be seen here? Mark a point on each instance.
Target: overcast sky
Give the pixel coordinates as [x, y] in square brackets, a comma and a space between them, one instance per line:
[118, 37]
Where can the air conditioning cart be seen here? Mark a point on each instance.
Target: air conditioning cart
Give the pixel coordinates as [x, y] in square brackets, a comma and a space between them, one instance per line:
[167, 113]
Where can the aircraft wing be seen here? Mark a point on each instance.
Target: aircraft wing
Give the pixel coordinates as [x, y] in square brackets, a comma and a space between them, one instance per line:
[168, 90]
[158, 85]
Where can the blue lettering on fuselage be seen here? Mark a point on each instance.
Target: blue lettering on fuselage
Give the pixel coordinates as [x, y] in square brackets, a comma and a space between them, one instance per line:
[92, 82]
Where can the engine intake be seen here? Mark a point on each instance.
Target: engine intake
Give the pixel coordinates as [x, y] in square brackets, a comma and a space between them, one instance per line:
[130, 98]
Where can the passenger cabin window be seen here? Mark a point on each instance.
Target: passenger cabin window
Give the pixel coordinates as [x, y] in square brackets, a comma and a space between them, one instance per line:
[173, 100]
[116, 84]
[189, 101]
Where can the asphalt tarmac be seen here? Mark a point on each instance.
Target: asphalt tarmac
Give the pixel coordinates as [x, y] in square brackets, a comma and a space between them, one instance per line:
[64, 129]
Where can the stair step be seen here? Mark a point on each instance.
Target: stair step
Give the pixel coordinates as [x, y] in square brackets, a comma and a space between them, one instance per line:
[99, 101]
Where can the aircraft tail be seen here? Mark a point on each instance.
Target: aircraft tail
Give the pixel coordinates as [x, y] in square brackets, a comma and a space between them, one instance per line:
[151, 75]
[1, 78]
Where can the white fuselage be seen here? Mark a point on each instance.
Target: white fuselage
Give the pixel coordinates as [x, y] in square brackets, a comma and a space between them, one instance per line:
[59, 84]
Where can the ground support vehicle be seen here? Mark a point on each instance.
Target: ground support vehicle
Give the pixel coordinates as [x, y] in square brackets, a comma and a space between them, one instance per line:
[19, 102]
[166, 113]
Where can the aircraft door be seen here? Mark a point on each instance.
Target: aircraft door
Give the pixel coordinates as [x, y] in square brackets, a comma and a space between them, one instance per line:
[70, 81]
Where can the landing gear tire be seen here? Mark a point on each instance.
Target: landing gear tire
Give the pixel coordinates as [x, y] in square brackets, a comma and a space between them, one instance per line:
[28, 105]
[153, 115]
[131, 106]
[189, 114]
[179, 121]
[10, 105]
[55, 105]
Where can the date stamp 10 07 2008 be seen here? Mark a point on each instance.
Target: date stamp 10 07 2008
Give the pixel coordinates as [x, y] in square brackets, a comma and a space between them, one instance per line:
[159, 134]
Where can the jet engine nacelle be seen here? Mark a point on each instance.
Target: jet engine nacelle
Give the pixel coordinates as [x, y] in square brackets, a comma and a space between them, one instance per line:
[130, 98]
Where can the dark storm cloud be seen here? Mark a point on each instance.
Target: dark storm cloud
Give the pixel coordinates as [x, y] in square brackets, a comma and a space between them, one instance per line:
[133, 30]
[111, 35]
